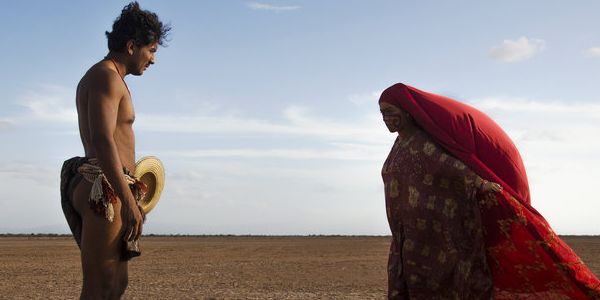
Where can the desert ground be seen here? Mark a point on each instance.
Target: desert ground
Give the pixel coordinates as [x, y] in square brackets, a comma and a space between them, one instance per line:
[221, 267]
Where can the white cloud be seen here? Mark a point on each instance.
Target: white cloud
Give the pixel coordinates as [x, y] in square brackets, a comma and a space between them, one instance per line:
[512, 51]
[593, 52]
[341, 151]
[551, 120]
[365, 138]
[367, 98]
[5, 125]
[270, 7]
[533, 106]
[297, 122]
[49, 103]
[567, 126]
[29, 171]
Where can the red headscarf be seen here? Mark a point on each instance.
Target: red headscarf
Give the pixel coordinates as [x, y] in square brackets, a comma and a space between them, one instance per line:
[467, 133]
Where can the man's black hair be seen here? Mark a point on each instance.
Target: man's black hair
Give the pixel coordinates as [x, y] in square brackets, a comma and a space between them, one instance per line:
[141, 26]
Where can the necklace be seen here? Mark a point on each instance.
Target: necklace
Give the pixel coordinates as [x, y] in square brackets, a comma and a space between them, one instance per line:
[119, 71]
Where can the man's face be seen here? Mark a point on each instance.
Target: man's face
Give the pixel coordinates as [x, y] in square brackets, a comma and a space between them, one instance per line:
[142, 58]
[395, 119]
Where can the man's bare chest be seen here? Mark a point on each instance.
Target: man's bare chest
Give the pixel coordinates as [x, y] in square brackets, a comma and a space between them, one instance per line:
[126, 112]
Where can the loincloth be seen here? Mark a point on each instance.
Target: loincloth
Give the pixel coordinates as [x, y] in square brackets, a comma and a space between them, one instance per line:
[102, 196]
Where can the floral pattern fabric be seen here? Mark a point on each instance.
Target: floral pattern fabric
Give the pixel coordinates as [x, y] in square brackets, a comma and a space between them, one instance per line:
[437, 249]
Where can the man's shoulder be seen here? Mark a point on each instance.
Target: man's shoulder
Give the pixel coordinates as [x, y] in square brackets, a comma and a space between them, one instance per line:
[102, 71]
[101, 76]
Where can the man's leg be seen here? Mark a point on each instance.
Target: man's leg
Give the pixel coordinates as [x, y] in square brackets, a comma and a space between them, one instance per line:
[104, 274]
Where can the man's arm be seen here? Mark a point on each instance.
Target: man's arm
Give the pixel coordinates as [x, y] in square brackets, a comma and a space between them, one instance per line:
[104, 98]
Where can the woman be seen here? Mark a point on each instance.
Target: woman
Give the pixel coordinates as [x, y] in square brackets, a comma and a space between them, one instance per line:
[457, 201]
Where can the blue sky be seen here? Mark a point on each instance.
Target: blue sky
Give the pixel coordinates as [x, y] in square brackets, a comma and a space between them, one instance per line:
[265, 112]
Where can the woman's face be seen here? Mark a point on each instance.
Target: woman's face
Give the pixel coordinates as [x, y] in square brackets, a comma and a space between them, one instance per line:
[394, 118]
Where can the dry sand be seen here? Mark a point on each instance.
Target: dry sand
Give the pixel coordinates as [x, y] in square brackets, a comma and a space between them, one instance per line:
[221, 267]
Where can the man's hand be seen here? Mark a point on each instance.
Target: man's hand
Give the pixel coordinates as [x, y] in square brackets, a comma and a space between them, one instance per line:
[133, 221]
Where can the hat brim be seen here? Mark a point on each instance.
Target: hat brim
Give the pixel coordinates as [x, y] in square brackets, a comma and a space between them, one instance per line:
[150, 171]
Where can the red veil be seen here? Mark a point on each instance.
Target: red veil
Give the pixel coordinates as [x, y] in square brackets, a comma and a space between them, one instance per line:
[526, 258]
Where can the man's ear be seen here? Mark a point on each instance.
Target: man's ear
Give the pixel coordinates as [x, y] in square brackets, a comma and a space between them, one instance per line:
[130, 44]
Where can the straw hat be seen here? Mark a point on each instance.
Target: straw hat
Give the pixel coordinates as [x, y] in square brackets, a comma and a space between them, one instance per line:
[150, 171]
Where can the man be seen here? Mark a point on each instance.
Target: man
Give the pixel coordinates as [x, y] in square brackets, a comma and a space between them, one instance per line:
[99, 193]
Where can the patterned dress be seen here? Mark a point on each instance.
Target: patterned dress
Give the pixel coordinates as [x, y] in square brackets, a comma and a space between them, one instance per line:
[438, 249]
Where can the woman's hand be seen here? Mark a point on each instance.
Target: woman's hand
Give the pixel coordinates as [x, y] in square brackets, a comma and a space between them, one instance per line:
[488, 186]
